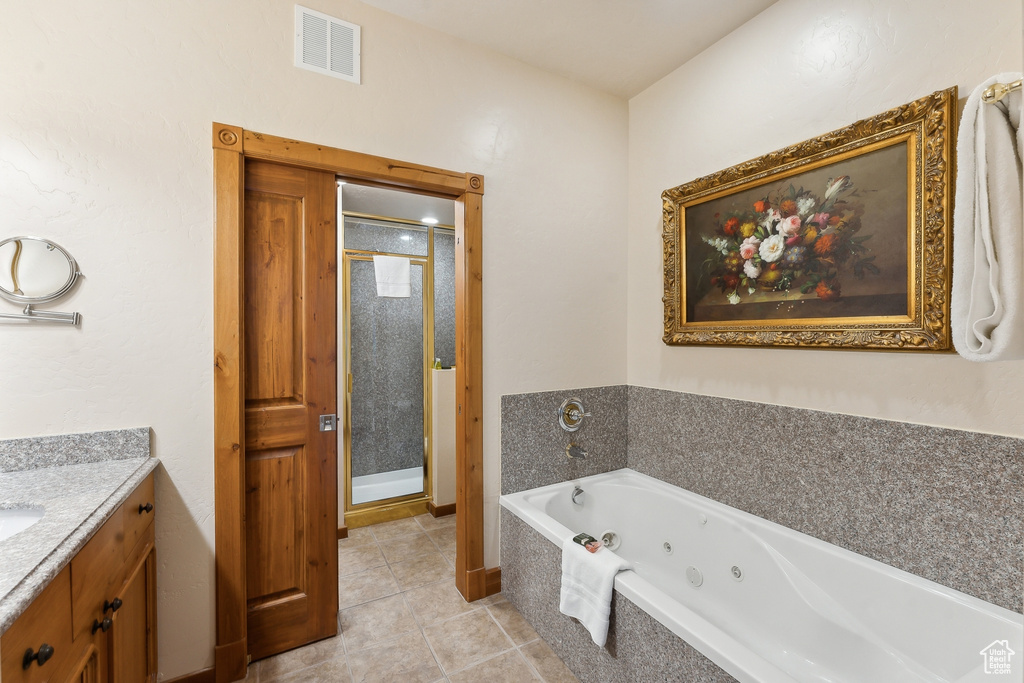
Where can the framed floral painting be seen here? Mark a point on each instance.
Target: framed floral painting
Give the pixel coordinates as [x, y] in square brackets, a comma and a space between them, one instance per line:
[842, 241]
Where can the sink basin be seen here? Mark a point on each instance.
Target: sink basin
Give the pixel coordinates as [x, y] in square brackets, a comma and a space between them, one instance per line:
[15, 520]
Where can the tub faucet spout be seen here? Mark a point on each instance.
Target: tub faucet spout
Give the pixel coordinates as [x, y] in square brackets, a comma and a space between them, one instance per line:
[575, 452]
[577, 493]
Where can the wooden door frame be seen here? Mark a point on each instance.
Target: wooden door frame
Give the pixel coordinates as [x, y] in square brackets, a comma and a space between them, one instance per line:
[232, 145]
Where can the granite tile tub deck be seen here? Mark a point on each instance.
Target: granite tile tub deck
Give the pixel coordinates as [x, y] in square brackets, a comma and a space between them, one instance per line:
[77, 497]
[638, 648]
[533, 444]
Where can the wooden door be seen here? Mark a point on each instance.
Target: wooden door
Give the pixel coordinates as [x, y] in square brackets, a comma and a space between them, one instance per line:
[290, 359]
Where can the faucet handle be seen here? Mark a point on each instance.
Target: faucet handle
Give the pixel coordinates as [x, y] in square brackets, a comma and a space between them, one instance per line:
[571, 414]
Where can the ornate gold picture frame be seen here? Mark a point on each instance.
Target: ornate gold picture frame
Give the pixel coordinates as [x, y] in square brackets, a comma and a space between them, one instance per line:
[842, 241]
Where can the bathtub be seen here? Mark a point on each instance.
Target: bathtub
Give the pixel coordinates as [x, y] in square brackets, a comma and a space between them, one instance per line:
[769, 604]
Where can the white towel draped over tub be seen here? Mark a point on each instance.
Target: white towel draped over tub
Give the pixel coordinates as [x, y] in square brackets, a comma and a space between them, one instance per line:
[393, 276]
[987, 304]
[588, 580]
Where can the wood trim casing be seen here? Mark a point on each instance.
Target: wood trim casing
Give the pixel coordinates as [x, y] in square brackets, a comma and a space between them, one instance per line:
[355, 165]
[229, 404]
[232, 145]
[342, 532]
[469, 438]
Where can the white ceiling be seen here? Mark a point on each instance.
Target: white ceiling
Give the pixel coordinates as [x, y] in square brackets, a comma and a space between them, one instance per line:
[619, 46]
[378, 201]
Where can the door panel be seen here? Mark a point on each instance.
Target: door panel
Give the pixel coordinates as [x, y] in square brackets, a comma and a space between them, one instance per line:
[273, 301]
[274, 555]
[290, 380]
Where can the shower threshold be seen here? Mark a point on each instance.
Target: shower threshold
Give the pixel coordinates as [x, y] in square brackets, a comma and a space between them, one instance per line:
[385, 485]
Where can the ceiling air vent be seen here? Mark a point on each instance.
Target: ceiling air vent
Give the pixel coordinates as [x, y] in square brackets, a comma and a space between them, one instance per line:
[326, 45]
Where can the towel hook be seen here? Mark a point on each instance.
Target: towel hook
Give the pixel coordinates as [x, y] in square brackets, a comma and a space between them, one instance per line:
[998, 91]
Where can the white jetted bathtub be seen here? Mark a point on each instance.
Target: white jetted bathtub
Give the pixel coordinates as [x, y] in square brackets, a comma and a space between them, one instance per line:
[767, 603]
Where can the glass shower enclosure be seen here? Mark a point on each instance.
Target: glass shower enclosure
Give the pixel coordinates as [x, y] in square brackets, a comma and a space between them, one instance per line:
[387, 446]
[389, 345]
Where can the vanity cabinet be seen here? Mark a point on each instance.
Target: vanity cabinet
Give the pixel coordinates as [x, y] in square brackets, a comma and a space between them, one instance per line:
[96, 621]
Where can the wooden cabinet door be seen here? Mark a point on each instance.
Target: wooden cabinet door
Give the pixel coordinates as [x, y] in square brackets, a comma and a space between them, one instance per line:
[44, 626]
[86, 669]
[132, 638]
[290, 365]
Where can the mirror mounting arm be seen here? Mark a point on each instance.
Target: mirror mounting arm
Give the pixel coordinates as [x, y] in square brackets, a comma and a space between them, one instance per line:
[30, 314]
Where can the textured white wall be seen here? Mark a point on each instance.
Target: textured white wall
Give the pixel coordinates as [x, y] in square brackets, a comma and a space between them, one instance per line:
[105, 147]
[797, 70]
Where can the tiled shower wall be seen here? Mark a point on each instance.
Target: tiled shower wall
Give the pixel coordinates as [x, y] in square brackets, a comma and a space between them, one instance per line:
[944, 504]
[387, 375]
[444, 297]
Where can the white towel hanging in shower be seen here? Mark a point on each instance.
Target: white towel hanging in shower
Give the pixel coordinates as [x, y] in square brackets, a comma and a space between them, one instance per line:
[393, 276]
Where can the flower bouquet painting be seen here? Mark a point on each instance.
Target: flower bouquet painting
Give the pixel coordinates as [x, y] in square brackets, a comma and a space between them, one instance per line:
[841, 241]
[791, 239]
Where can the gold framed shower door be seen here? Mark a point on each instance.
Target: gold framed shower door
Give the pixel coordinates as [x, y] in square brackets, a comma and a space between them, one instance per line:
[397, 507]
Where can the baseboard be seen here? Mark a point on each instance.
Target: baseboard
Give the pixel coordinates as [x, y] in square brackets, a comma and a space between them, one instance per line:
[231, 661]
[201, 676]
[342, 532]
[492, 581]
[441, 510]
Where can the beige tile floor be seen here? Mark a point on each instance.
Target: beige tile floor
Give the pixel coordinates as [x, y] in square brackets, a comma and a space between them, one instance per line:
[403, 620]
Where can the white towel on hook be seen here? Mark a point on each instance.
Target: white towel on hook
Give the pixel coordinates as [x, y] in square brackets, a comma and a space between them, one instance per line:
[393, 276]
[588, 580]
[987, 303]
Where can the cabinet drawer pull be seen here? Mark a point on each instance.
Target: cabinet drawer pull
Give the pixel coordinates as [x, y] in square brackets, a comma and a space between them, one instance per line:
[148, 507]
[43, 656]
[112, 605]
[104, 625]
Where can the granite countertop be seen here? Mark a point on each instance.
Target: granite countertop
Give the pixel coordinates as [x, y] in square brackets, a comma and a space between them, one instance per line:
[77, 499]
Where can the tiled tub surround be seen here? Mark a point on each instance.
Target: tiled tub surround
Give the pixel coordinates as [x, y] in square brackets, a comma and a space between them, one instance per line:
[940, 503]
[638, 648]
[78, 489]
[944, 504]
[533, 444]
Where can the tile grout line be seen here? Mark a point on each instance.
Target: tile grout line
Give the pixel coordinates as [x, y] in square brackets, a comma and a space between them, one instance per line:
[423, 635]
[529, 663]
[484, 660]
[420, 625]
[433, 653]
[341, 631]
[517, 647]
